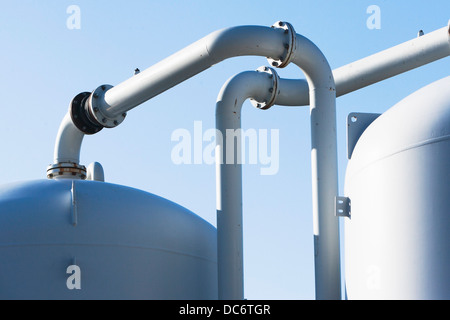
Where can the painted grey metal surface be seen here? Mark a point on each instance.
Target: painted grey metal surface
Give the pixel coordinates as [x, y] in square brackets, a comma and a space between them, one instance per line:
[74, 239]
[95, 172]
[267, 42]
[263, 41]
[257, 86]
[112, 104]
[357, 122]
[393, 61]
[164, 75]
[343, 207]
[235, 91]
[397, 242]
[305, 54]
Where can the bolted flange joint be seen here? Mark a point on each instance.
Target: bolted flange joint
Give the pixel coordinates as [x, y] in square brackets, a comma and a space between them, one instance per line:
[66, 170]
[97, 108]
[272, 92]
[290, 44]
[81, 117]
[88, 112]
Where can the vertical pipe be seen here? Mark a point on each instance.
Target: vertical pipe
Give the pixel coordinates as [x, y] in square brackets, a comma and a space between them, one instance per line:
[229, 179]
[322, 97]
[324, 190]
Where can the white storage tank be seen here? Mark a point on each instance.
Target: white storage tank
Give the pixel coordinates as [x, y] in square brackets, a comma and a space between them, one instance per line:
[397, 240]
[76, 239]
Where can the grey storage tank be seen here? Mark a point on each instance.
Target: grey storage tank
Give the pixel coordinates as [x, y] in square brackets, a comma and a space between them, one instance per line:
[80, 239]
[397, 240]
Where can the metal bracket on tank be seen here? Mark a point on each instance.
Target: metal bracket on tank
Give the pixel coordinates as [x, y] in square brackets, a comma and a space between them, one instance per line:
[342, 207]
[357, 123]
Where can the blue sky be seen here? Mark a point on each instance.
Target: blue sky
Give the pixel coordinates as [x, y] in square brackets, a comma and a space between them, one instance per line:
[44, 65]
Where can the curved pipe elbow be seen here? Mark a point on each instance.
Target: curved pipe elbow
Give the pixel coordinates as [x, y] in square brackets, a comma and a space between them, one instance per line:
[244, 41]
[66, 156]
[245, 85]
[68, 142]
[309, 58]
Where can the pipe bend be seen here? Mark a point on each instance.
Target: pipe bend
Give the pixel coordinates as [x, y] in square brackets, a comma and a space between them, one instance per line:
[229, 178]
[310, 59]
[243, 86]
[270, 43]
[66, 155]
[68, 142]
[244, 41]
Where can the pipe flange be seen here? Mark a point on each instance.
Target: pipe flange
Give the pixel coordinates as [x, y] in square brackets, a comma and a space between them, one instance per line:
[272, 93]
[67, 170]
[96, 108]
[290, 45]
[80, 115]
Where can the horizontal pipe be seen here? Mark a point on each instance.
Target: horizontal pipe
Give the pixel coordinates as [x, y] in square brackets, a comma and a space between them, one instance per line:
[393, 61]
[197, 57]
[356, 75]
[375, 68]
[216, 47]
[257, 40]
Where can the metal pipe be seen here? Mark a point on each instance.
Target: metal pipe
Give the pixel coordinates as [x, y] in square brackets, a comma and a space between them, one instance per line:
[68, 142]
[374, 68]
[324, 169]
[257, 85]
[393, 61]
[66, 156]
[197, 57]
[108, 105]
[294, 92]
[229, 178]
[95, 172]
[322, 97]
[280, 43]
